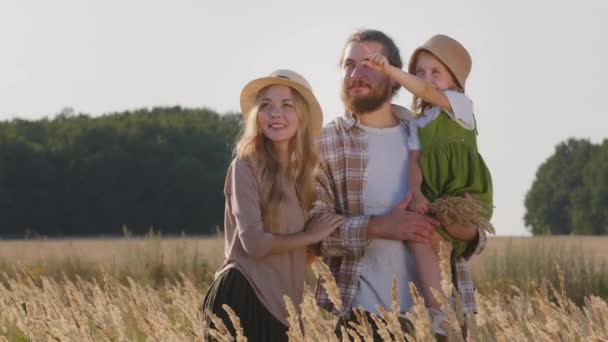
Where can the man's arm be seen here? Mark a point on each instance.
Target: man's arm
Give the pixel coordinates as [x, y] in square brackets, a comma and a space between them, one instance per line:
[348, 239]
[352, 237]
[402, 224]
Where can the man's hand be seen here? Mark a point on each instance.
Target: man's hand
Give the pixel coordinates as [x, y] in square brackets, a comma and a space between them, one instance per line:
[400, 224]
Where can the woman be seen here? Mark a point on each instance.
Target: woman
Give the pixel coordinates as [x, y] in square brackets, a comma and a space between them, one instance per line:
[269, 189]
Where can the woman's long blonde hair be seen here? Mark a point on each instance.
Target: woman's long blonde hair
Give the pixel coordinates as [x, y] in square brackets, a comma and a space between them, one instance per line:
[253, 144]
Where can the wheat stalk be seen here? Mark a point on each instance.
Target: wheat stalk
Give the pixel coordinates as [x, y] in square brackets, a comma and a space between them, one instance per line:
[328, 282]
[236, 323]
[462, 211]
[295, 331]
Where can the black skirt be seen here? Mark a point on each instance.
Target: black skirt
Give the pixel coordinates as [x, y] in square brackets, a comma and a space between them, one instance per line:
[233, 289]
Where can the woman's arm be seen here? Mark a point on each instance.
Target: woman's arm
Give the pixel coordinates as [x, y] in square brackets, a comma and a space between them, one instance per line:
[246, 209]
[316, 230]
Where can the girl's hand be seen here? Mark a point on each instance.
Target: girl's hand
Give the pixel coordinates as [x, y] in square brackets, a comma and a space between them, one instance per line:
[419, 203]
[321, 226]
[376, 61]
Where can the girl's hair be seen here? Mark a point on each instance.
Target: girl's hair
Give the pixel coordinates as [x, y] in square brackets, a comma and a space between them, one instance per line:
[419, 105]
[253, 144]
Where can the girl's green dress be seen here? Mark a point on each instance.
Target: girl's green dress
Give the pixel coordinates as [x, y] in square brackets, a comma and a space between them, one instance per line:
[451, 166]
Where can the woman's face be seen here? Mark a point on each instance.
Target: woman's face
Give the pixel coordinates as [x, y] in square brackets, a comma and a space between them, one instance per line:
[277, 115]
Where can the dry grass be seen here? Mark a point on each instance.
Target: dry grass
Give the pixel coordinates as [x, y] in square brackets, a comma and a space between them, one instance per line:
[525, 262]
[107, 251]
[149, 261]
[596, 246]
[61, 292]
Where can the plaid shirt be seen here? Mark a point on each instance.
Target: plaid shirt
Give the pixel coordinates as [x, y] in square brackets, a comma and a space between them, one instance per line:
[340, 183]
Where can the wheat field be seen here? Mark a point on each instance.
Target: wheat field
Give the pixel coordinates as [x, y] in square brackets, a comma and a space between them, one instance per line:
[150, 289]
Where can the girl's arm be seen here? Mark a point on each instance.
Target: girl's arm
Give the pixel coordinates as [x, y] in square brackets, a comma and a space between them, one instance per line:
[414, 173]
[412, 83]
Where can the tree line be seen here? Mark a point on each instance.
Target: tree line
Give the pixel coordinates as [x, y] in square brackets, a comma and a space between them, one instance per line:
[570, 192]
[162, 168]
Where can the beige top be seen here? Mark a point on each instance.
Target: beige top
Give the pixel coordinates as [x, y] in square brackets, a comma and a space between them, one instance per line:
[247, 243]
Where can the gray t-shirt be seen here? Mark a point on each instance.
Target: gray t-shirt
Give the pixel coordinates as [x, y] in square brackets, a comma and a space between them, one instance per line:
[385, 188]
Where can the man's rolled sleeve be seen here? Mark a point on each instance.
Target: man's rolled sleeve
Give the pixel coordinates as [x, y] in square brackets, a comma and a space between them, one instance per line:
[349, 239]
[477, 246]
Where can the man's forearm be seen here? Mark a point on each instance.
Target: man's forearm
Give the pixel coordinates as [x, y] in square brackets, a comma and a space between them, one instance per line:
[349, 239]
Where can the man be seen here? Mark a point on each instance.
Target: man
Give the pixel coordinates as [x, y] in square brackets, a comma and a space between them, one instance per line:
[363, 177]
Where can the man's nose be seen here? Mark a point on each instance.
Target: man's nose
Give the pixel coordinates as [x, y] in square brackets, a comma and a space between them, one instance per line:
[358, 70]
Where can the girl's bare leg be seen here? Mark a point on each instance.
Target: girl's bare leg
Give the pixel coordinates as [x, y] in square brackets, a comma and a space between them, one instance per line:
[427, 265]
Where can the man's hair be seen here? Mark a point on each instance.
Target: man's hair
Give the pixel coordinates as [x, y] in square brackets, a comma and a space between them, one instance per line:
[390, 49]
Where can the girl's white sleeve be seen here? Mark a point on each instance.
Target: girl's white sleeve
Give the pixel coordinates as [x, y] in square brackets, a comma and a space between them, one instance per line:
[413, 142]
[462, 109]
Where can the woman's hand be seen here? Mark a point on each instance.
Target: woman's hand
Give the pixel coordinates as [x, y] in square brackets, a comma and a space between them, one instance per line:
[322, 225]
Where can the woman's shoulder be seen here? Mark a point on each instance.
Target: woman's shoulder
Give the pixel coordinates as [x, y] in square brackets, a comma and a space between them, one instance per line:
[243, 172]
[246, 164]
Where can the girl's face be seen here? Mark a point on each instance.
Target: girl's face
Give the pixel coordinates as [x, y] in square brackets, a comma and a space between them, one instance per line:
[277, 116]
[429, 68]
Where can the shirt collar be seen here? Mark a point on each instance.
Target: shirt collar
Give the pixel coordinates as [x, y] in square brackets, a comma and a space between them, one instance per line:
[348, 120]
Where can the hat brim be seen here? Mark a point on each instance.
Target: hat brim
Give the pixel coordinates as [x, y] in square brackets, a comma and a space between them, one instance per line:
[253, 88]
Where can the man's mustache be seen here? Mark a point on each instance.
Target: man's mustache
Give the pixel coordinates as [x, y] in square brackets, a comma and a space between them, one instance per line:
[357, 83]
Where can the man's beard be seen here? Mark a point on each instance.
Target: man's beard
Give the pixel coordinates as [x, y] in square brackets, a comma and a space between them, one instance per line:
[362, 105]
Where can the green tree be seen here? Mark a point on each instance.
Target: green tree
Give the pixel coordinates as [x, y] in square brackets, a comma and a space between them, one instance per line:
[565, 197]
[79, 175]
[592, 215]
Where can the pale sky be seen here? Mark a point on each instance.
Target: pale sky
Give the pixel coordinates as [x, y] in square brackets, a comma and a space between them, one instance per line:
[538, 73]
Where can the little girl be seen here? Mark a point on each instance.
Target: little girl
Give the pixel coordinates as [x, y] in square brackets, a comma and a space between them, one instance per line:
[444, 162]
[269, 190]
